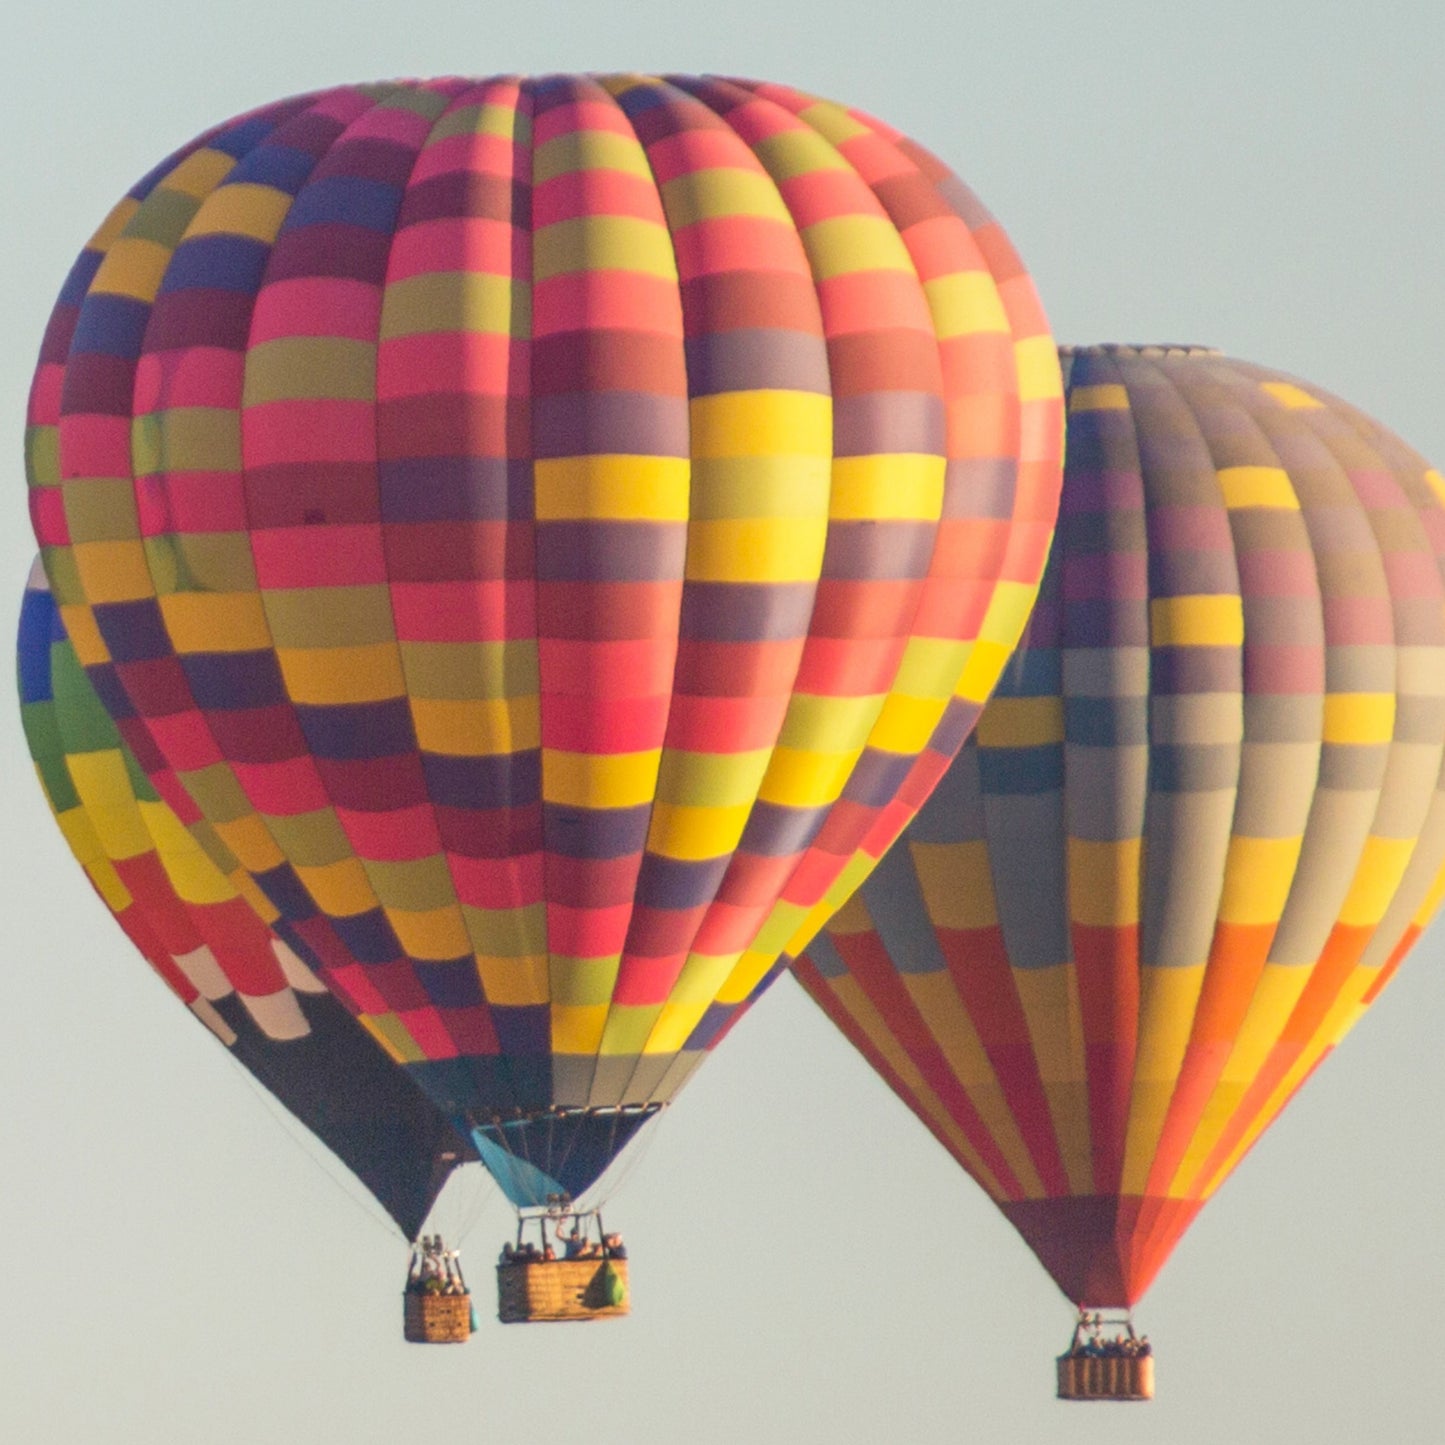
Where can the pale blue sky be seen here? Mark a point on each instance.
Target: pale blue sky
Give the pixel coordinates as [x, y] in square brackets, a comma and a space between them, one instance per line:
[808, 1265]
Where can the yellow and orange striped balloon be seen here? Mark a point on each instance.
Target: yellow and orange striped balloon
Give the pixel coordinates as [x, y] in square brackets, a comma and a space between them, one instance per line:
[1198, 827]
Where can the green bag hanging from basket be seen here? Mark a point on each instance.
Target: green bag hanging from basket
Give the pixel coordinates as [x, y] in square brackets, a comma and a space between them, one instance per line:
[613, 1286]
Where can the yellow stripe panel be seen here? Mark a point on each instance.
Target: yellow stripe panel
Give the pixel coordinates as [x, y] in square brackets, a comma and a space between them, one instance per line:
[1377, 878]
[832, 122]
[434, 933]
[512, 933]
[588, 150]
[700, 980]
[1214, 620]
[578, 1029]
[821, 723]
[326, 675]
[761, 424]
[696, 833]
[905, 723]
[515, 982]
[965, 303]
[1037, 358]
[1008, 610]
[799, 779]
[340, 889]
[1021, 722]
[846, 245]
[78, 831]
[599, 780]
[460, 670]
[132, 267]
[603, 243]
[1435, 482]
[1168, 998]
[200, 173]
[1359, 717]
[243, 208]
[1294, 397]
[1258, 875]
[765, 549]
[891, 487]
[215, 622]
[956, 883]
[792, 153]
[107, 883]
[113, 571]
[711, 780]
[475, 727]
[673, 1026]
[581, 980]
[1257, 487]
[1109, 396]
[930, 667]
[186, 439]
[451, 301]
[290, 368]
[612, 487]
[722, 191]
[1104, 882]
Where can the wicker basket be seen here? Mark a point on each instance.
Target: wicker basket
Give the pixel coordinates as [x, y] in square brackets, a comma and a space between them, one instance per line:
[1106, 1377]
[438, 1319]
[561, 1289]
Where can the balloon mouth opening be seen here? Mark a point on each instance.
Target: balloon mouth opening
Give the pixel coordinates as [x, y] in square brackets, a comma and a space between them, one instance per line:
[1154, 348]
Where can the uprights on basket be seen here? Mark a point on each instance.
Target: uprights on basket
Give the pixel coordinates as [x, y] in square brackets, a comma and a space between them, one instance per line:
[570, 1275]
[437, 1303]
[1100, 1365]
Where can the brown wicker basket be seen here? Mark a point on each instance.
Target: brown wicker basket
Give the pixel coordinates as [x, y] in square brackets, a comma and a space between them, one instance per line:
[438, 1319]
[1106, 1377]
[561, 1289]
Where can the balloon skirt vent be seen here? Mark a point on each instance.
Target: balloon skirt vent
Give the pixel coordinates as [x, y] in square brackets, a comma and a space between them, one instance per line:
[563, 1289]
[1106, 1377]
[438, 1319]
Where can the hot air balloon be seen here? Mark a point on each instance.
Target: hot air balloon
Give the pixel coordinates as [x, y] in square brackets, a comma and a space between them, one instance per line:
[1196, 831]
[200, 936]
[553, 532]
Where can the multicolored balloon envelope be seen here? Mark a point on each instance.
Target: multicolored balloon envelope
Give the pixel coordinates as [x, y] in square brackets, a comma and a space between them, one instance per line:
[243, 982]
[1198, 827]
[552, 533]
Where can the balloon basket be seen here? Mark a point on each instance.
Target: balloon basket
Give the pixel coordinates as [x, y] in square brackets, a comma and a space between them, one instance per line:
[1100, 1366]
[437, 1319]
[1122, 1377]
[562, 1289]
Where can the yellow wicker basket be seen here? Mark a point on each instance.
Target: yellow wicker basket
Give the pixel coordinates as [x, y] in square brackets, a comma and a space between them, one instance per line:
[438, 1319]
[561, 1289]
[1106, 1377]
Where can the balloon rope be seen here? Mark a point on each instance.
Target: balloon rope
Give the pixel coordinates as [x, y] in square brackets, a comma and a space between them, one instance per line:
[347, 1184]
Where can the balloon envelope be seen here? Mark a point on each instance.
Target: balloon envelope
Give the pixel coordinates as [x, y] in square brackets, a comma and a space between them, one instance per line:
[1198, 827]
[240, 980]
[553, 532]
